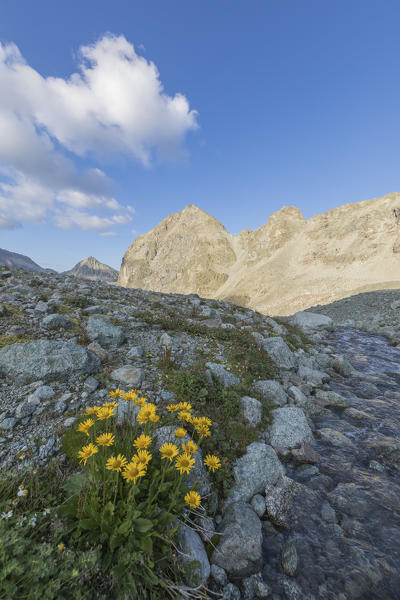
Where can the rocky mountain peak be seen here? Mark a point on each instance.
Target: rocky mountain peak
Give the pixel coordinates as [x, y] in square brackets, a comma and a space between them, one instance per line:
[91, 268]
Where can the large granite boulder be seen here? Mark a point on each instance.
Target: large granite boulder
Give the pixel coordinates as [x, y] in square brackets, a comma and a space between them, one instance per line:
[46, 360]
[254, 470]
[280, 353]
[289, 428]
[101, 330]
[239, 549]
[308, 321]
[192, 549]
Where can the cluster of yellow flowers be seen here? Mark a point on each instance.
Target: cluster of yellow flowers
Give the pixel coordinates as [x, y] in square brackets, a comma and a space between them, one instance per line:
[137, 467]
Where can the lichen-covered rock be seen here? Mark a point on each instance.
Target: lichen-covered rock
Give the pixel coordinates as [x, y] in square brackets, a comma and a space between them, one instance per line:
[192, 549]
[279, 499]
[271, 390]
[289, 428]
[46, 360]
[251, 410]
[280, 353]
[101, 330]
[259, 467]
[128, 375]
[239, 549]
[225, 377]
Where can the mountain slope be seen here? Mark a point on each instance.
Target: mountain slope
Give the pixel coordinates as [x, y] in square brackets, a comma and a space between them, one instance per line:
[288, 264]
[13, 260]
[91, 268]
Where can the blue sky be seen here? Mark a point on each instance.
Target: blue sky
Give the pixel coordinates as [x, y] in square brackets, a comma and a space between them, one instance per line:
[240, 107]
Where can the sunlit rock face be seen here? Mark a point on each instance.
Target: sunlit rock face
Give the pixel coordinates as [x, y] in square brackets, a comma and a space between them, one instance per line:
[284, 266]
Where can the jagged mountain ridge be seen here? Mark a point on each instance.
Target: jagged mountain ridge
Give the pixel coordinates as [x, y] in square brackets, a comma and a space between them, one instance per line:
[286, 265]
[91, 268]
[13, 260]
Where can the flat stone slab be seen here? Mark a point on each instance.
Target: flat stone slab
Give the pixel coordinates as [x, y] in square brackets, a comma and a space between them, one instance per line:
[128, 375]
[310, 320]
[280, 353]
[289, 428]
[46, 360]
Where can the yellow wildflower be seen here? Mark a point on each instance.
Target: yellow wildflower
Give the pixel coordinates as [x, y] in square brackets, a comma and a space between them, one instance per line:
[140, 401]
[147, 413]
[190, 447]
[193, 499]
[185, 416]
[169, 451]
[184, 406]
[111, 404]
[105, 439]
[212, 462]
[85, 426]
[184, 463]
[104, 412]
[117, 393]
[203, 430]
[87, 452]
[116, 463]
[180, 432]
[92, 410]
[133, 471]
[143, 441]
[61, 546]
[202, 421]
[129, 396]
[172, 407]
[142, 457]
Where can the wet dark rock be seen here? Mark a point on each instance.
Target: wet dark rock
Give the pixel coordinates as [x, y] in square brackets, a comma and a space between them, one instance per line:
[289, 558]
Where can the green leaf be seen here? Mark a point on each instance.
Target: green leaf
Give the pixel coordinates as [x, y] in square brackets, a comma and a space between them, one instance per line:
[75, 483]
[142, 525]
[125, 527]
[88, 524]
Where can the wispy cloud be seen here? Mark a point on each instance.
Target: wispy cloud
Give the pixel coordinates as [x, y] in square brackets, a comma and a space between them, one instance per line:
[114, 105]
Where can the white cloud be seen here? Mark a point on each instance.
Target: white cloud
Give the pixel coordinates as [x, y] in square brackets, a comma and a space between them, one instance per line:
[113, 106]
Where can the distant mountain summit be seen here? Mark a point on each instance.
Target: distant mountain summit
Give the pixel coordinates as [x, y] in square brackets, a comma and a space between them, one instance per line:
[13, 260]
[91, 268]
[286, 265]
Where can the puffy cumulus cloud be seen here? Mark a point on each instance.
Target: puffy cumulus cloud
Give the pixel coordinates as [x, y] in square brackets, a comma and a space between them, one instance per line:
[114, 105]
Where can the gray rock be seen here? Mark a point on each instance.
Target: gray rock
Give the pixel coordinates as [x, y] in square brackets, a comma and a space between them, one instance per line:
[328, 513]
[26, 408]
[166, 340]
[313, 376]
[128, 375]
[60, 407]
[289, 428]
[219, 575]
[99, 351]
[279, 499]
[259, 467]
[289, 558]
[41, 307]
[231, 592]
[227, 379]
[8, 423]
[271, 390]
[192, 549]
[258, 504]
[206, 528]
[239, 550]
[46, 360]
[309, 321]
[342, 366]
[57, 320]
[91, 384]
[135, 352]
[254, 587]
[47, 449]
[332, 399]
[43, 392]
[334, 438]
[305, 454]
[101, 330]
[291, 589]
[297, 395]
[69, 422]
[280, 353]
[252, 410]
